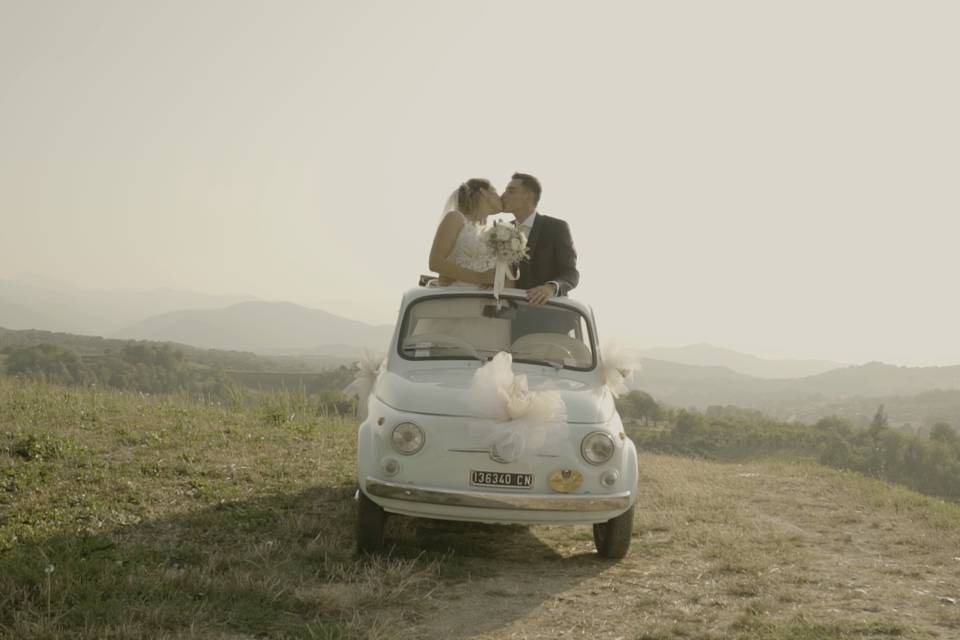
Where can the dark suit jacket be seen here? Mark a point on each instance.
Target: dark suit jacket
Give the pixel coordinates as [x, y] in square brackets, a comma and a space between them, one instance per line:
[552, 256]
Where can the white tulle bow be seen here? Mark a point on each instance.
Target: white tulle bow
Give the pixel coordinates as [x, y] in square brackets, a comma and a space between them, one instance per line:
[515, 418]
[618, 369]
[369, 367]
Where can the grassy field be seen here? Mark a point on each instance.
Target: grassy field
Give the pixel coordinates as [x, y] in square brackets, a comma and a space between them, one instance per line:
[130, 516]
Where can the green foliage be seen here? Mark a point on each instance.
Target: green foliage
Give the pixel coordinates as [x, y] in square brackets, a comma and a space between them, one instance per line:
[145, 367]
[639, 405]
[690, 423]
[931, 466]
[943, 432]
[47, 362]
[42, 447]
[95, 346]
[155, 367]
[879, 424]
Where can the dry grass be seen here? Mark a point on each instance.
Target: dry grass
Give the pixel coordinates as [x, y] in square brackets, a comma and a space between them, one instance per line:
[747, 552]
[167, 518]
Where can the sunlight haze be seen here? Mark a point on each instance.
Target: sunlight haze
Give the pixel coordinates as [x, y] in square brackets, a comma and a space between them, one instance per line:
[775, 178]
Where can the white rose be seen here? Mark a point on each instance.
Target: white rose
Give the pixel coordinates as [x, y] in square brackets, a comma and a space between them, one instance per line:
[515, 244]
[503, 233]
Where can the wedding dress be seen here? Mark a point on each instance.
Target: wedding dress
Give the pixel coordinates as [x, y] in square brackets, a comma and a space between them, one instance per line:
[464, 317]
[471, 250]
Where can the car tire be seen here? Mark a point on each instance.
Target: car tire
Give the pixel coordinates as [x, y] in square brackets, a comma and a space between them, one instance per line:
[612, 537]
[371, 521]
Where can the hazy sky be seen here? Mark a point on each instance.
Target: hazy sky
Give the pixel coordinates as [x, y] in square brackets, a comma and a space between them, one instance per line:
[775, 177]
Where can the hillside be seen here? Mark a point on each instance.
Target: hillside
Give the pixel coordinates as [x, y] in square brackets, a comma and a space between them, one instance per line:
[920, 397]
[93, 346]
[33, 302]
[16, 316]
[879, 379]
[262, 327]
[163, 367]
[682, 384]
[707, 355]
[910, 393]
[157, 517]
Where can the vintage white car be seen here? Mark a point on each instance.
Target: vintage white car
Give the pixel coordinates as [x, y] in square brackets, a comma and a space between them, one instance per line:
[434, 446]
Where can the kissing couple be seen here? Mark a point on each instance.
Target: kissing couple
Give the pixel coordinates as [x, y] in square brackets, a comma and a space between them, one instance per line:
[461, 254]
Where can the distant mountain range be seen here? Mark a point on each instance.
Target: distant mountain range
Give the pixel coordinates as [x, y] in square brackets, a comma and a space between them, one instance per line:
[229, 360]
[707, 355]
[697, 375]
[263, 327]
[854, 391]
[32, 302]
[17, 316]
[691, 385]
[234, 322]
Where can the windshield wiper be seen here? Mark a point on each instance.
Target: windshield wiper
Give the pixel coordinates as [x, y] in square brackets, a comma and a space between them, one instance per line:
[555, 364]
[434, 347]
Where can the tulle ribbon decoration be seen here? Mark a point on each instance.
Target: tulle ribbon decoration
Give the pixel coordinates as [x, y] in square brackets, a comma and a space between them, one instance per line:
[515, 418]
[618, 369]
[369, 367]
[499, 278]
[509, 245]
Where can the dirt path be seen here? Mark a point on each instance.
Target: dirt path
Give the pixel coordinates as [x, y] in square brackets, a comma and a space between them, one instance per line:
[720, 551]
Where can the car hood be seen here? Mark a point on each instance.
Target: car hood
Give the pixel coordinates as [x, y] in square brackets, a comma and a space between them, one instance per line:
[446, 391]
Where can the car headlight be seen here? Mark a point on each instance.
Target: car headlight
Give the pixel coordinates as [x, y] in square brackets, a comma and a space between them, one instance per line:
[597, 447]
[407, 438]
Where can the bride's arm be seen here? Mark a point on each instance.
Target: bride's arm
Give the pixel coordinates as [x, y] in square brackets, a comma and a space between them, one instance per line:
[443, 242]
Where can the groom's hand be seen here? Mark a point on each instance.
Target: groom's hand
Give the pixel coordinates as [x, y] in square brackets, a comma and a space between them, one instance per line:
[540, 295]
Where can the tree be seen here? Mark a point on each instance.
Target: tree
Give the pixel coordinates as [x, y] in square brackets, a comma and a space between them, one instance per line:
[943, 432]
[639, 404]
[835, 424]
[879, 423]
[876, 459]
[689, 422]
[48, 362]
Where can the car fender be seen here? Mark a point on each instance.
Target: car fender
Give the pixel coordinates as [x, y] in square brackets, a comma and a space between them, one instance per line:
[366, 452]
[631, 468]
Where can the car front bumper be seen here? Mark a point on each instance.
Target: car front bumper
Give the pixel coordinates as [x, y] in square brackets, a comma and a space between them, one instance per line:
[490, 500]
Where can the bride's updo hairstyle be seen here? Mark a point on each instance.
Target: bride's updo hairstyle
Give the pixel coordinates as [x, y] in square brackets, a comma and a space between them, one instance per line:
[470, 193]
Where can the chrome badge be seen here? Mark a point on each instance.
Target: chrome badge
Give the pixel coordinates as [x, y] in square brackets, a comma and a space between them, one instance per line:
[565, 480]
[507, 448]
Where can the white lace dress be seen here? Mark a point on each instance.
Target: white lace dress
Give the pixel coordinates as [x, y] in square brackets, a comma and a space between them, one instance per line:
[465, 316]
[471, 251]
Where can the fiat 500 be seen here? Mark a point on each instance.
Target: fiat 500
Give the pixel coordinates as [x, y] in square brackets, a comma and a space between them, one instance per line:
[428, 448]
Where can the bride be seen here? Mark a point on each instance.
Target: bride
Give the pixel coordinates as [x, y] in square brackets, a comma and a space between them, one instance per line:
[460, 254]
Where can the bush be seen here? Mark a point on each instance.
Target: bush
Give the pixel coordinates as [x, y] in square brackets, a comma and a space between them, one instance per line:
[931, 466]
[47, 362]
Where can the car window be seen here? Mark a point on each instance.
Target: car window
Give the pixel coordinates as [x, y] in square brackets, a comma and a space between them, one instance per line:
[466, 327]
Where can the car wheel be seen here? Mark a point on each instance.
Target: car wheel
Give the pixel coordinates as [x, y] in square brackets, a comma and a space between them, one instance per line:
[612, 537]
[371, 519]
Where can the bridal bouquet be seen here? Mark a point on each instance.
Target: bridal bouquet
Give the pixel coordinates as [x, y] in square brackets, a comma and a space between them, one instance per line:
[509, 246]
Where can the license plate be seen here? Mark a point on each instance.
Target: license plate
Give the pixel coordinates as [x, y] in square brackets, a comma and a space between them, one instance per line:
[501, 479]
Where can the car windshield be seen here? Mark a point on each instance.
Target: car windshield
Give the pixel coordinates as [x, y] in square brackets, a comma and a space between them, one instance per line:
[465, 328]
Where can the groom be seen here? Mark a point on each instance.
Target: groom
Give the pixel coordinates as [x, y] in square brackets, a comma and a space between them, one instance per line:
[551, 269]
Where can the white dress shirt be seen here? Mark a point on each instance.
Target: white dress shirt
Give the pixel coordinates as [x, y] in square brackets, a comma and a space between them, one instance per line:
[527, 225]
